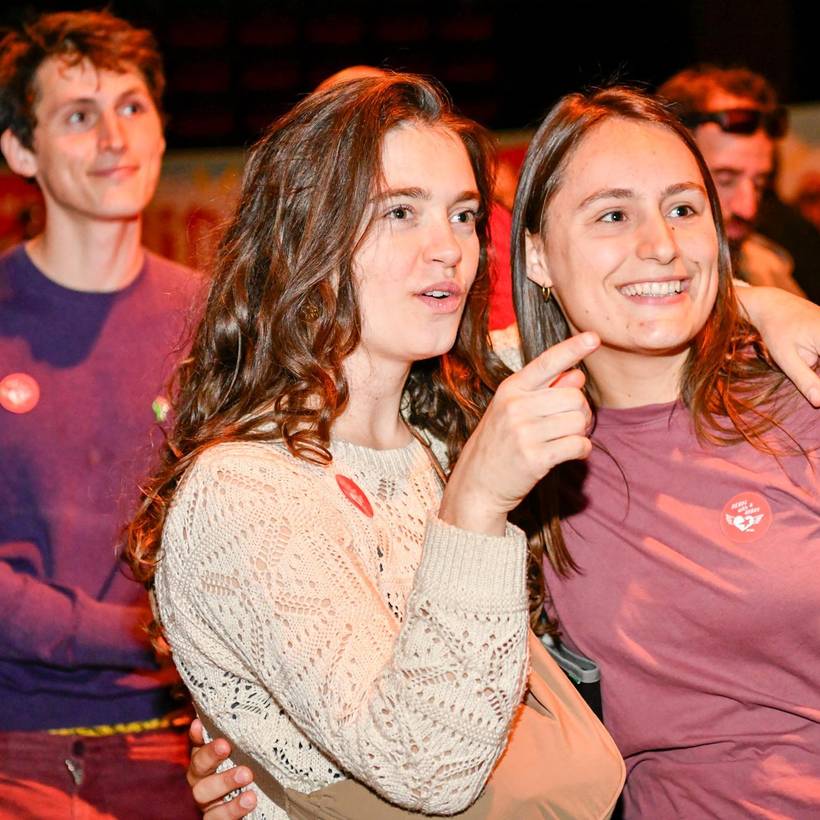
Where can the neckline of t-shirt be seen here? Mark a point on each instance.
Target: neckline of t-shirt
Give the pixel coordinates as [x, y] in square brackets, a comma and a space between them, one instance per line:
[37, 281]
[647, 415]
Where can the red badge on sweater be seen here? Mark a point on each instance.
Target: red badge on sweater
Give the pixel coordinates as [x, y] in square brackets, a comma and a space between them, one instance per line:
[19, 393]
[355, 494]
[746, 517]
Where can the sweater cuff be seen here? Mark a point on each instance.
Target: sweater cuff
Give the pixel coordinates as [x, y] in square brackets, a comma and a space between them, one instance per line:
[486, 572]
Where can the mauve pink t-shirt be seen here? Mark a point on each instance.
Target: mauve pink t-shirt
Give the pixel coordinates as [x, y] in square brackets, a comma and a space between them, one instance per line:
[699, 597]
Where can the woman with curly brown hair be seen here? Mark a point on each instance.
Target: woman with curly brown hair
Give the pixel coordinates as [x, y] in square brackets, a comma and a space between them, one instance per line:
[334, 614]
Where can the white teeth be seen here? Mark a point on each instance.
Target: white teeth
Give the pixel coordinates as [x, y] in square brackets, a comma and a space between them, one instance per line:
[437, 294]
[652, 288]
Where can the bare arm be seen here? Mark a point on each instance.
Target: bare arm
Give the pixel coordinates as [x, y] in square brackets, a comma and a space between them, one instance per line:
[62, 626]
[790, 327]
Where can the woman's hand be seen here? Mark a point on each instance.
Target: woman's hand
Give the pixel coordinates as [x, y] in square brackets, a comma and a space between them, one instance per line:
[208, 787]
[538, 418]
[790, 327]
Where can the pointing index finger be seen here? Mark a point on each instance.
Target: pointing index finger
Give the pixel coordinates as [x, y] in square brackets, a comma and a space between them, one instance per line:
[549, 365]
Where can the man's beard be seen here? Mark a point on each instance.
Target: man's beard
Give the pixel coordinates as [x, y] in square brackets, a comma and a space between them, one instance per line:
[738, 230]
[735, 247]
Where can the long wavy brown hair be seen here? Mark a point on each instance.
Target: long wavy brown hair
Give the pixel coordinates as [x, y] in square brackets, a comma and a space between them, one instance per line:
[282, 314]
[728, 383]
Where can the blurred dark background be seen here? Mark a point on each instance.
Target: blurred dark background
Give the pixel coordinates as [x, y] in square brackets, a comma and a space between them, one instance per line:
[232, 67]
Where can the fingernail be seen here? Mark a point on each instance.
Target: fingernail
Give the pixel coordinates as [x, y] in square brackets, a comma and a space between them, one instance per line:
[246, 801]
[589, 340]
[814, 396]
[242, 777]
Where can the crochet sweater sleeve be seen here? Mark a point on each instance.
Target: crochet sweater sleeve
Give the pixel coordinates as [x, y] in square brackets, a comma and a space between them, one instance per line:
[265, 579]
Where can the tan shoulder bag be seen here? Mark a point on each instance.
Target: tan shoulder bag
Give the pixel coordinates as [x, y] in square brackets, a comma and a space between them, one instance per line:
[560, 762]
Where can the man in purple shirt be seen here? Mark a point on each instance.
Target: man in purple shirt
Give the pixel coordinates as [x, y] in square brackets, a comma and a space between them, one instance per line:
[89, 322]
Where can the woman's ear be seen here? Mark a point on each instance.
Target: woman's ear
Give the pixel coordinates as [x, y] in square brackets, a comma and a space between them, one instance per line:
[20, 159]
[537, 270]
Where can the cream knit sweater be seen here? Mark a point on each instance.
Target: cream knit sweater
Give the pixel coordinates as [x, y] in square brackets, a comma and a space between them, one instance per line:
[326, 643]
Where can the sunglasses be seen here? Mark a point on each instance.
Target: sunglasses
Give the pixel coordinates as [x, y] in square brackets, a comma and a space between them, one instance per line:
[743, 120]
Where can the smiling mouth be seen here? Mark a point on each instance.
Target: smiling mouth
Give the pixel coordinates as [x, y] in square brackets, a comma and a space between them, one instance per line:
[118, 172]
[655, 289]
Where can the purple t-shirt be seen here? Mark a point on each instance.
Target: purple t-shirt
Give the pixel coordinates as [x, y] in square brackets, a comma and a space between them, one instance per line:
[699, 597]
[82, 379]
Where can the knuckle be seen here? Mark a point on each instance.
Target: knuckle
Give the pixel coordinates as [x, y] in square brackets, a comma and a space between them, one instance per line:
[505, 388]
[578, 420]
[581, 399]
[199, 790]
[584, 446]
[573, 398]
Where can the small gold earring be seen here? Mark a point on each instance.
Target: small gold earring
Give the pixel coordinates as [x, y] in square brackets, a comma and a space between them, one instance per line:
[546, 293]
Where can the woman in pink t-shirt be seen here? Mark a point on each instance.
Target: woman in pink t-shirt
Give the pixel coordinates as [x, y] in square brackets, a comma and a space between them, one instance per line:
[687, 563]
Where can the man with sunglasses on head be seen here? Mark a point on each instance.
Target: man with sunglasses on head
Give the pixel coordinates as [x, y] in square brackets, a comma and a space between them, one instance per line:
[736, 120]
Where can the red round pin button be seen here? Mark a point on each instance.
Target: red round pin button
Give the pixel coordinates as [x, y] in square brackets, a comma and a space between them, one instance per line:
[19, 393]
[746, 517]
[355, 494]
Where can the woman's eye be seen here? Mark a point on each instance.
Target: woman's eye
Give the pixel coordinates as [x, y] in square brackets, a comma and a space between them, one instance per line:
[465, 217]
[681, 210]
[400, 212]
[613, 216]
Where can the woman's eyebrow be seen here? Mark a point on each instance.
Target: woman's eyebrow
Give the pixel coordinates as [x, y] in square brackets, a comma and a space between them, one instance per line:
[683, 187]
[466, 195]
[397, 193]
[628, 193]
[606, 193]
[420, 193]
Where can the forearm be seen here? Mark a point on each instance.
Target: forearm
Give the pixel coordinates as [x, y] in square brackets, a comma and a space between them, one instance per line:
[790, 328]
[457, 673]
[64, 627]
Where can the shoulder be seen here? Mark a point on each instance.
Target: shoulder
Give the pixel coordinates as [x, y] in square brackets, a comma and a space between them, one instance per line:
[763, 261]
[12, 256]
[267, 462]
[235, 491]
[767, 249]
[170, 299]
[170, 268]
[801, 420]
[172, 278]
[244, 477]
[242, 506]
[12, 260]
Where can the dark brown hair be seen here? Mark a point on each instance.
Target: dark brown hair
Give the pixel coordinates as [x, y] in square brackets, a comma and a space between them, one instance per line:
[728, 381]
[282, 314]
[105, 40]
[689, 90]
